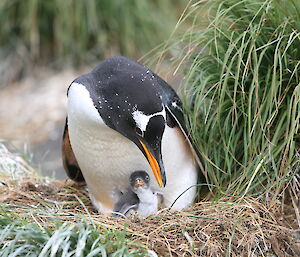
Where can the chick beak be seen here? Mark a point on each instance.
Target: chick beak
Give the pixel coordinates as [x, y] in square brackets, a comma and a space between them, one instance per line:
[139, 182]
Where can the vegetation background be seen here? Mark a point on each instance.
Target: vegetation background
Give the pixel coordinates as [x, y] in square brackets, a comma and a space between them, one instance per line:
[239, 63]
[45, 45]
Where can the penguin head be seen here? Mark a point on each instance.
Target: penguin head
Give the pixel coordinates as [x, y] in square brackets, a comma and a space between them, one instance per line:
[139, 180]
[146, 131]
[128, 99]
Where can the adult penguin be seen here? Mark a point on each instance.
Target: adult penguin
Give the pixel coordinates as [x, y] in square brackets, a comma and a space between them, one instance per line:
[123, 117]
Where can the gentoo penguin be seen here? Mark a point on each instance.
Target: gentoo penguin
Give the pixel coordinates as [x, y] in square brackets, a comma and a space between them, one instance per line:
[139, 197]
[123, 117]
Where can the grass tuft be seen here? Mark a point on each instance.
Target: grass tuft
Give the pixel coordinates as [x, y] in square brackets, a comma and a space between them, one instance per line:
[22, 238]
[14, 165]
[243, 79]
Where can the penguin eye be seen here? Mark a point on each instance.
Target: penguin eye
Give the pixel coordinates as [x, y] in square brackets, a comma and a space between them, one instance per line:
[147, 178]
[139, 132]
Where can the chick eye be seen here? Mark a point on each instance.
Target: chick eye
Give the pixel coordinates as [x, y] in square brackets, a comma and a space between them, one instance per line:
[139, 132]
[147, 178]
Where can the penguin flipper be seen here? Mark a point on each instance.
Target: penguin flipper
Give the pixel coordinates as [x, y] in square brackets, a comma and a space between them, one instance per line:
[175, 117]
[68, 158]
[126, 210]
[128, 201]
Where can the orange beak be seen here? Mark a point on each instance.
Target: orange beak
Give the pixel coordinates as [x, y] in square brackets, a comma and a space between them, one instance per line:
[139, 183]
[154, 165]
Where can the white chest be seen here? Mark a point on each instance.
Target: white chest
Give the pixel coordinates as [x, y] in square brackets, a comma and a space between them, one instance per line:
[105, 157]
[148, 203]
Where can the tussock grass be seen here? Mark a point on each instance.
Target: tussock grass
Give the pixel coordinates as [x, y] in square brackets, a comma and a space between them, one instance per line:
[242, 93]
[14, 165]
[20, 238]
[83, 31]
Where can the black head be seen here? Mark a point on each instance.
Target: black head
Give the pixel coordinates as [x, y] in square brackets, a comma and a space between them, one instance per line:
[128, 98]
[139, 179]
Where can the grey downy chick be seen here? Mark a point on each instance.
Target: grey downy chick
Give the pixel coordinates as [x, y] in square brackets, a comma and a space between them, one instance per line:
[127, 204]
[140, 185]
[139, 198]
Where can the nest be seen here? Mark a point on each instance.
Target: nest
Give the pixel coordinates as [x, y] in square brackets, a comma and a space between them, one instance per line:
[226, 227]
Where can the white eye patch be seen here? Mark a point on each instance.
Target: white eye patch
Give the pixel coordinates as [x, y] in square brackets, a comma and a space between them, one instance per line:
[142, 119]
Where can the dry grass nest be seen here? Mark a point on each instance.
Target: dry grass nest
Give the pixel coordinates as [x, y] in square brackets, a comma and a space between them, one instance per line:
[227, 227]
[241, 228]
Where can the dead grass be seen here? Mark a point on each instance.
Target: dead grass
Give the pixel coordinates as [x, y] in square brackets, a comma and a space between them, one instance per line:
[228, 227]
[223, 228]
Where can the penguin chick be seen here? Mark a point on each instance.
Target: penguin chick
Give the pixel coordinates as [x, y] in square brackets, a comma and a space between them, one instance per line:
[148, 200]
[139, 197]
[127, 204]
